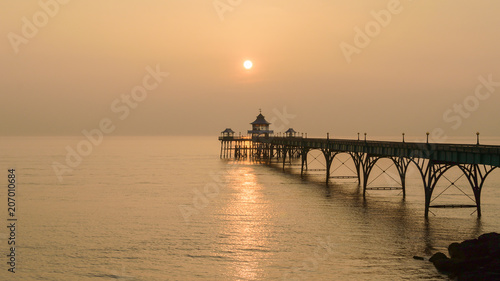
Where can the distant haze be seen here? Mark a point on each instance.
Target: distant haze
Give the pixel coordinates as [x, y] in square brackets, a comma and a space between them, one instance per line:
[381, 67]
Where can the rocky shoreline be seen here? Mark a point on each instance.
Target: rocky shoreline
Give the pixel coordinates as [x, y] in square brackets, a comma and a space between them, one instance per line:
[475, 259]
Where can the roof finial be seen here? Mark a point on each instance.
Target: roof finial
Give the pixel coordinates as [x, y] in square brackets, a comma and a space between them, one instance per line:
[260, 111]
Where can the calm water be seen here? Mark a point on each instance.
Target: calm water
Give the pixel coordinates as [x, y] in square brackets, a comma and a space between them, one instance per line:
[167, 208]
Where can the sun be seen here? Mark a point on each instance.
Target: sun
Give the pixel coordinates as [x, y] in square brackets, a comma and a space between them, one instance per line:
[247, 64]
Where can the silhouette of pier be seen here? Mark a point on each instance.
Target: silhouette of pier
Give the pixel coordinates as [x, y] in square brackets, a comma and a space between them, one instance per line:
[432, 160]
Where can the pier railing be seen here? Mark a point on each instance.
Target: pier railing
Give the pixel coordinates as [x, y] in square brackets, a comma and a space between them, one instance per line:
[452, 153]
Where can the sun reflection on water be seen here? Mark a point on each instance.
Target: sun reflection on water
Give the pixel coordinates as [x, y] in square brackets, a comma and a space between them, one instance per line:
[244, 235]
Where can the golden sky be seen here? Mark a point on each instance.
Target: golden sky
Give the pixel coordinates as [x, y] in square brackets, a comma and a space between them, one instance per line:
[342, 66]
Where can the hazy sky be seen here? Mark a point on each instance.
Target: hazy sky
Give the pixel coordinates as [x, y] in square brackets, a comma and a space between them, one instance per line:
[342, 66]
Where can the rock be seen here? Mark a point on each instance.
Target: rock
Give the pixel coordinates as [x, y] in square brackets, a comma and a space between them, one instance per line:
[455, 251]
[438, 256]
[475, 259]
[443, 263]
[492, 242]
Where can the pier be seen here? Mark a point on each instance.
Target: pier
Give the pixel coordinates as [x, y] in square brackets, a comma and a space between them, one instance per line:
[432, 160]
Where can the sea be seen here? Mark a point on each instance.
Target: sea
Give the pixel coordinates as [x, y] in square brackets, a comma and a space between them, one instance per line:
[169, 208]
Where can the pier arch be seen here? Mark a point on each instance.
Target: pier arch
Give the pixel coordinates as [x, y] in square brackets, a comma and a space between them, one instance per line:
[368, 162]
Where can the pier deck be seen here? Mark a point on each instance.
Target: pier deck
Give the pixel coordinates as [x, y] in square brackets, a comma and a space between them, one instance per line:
[431, 159]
